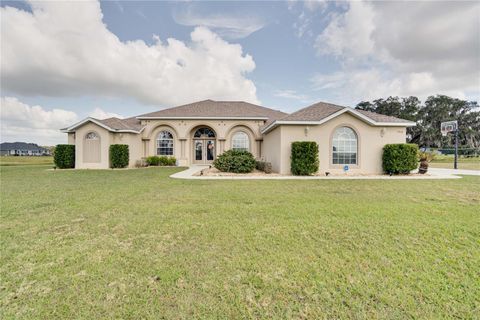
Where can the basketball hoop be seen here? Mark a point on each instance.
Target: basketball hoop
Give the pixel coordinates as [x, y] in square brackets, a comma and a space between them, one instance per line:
[448, 126]
[451, 126]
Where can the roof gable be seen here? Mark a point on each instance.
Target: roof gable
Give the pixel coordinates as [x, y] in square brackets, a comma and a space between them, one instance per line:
[322, 112]
[113, 124]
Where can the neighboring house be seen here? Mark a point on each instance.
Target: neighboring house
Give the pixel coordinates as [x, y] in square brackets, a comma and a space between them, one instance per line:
[22, 149]
[197, 133]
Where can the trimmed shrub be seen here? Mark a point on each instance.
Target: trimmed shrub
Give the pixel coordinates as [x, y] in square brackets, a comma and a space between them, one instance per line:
[161, 161]
[167, 161]
[304, 158]
[119, 155]
[235, 161]
[64, 156]
[152, 160]
[399, 158]
[264, 166]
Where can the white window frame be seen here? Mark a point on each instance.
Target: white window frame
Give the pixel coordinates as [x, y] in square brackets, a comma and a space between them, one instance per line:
[92, 135]
[170, 142]
[245, 143]
[346, 146]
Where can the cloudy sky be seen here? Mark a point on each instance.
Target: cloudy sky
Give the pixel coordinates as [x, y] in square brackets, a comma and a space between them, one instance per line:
[63, 61]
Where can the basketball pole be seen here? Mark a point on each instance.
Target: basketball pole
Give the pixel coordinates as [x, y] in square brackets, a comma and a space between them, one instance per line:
[455, 165]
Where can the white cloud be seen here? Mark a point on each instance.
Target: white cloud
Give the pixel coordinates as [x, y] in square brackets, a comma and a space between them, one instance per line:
[228, 26]
[291, 94]
[429, 48]
[348, 34]
[65, 49]
[21, 122]
[98, 113]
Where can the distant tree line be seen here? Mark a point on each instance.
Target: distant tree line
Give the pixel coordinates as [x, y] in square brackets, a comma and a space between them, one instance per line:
[428, 117]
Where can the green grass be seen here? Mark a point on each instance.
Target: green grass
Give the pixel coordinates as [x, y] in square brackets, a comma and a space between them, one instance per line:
[463, 163]
[136, 244]
[25, 160]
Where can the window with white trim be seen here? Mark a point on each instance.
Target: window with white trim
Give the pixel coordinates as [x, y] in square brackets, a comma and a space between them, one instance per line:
[344, 145]
[240, 141]
[165, 143]
[92, 136]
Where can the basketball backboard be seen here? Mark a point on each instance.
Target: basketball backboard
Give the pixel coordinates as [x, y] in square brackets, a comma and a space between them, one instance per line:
[448, 126]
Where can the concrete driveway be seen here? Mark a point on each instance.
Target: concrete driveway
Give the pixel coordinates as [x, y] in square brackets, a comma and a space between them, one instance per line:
[442, 171]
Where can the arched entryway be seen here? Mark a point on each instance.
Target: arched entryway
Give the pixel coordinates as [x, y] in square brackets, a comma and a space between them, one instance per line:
[204, 145]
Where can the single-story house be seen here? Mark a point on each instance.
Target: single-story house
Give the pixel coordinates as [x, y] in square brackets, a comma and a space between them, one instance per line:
[198, 132]
[22, 149]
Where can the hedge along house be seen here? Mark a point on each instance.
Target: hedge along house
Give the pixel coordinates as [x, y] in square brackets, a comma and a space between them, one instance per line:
[197, 133]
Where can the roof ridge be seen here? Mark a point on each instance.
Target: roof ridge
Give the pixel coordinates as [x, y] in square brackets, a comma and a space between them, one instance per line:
[210, 107]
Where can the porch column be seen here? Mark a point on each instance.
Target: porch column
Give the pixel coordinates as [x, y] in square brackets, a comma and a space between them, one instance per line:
[221, 147]
[259, 147]
[145, 142]
[182, 147]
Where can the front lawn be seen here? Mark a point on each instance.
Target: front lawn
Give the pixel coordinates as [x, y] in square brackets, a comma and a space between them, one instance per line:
[25, 160]
[135, 244]
[472, 163]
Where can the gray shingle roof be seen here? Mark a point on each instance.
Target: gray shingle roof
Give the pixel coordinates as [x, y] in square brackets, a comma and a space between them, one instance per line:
[321, 110]
[122, 124]
[240, 109]
[381, 117]
[315, 112]
[218, 109]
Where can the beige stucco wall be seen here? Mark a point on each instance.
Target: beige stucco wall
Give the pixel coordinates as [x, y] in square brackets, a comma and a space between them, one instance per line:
[134, 142]
[371, 140]
[272, 151]
[105, 141]
[275, 147]
[144, 144]
[107, 138]
[183, 130]
[71, 138]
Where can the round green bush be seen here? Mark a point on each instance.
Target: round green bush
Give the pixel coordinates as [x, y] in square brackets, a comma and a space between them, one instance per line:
[119, 155]
[400, 158]
[235, 161]
[304, 158]
[64, 156]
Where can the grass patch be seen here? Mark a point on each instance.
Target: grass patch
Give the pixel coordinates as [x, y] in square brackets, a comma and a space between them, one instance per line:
[137, 244]
[25, 160]
[472, 163]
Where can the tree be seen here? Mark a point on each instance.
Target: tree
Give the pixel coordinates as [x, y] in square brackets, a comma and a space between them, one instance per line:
[428, 117]
[404, 108]
[440, 108]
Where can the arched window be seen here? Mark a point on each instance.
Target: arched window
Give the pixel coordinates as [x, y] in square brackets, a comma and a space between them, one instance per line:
[240, 141]
[165, 143]
[92, 136]
[344, 146]
[91, 148]
[204, 133]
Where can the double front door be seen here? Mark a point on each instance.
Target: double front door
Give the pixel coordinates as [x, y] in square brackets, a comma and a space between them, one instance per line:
[203, 150]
